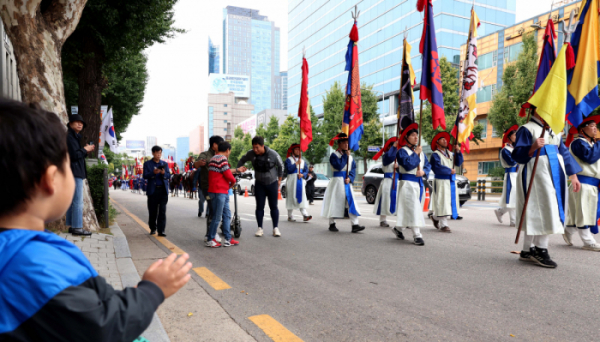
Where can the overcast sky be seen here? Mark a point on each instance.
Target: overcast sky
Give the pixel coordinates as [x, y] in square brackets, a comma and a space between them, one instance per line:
[176, 93]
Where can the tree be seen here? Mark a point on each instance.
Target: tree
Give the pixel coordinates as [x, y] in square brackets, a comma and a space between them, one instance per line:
[270, 131]
[451, 105]
[289, 133]
[518, 80]
[317, 149]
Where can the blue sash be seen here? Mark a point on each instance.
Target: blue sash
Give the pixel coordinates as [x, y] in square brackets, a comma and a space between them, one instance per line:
[299, 189]
[351, 207]
[551, 151]
[452, 179]
[412, 178]
[509, 184]
[593, 182]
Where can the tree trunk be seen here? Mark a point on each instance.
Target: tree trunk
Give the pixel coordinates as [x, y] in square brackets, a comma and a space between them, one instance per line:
[37, 34]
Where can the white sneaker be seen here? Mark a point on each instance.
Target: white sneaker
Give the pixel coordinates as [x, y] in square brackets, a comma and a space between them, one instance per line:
[568, 238]
[276, 232]
[498, 215]
[595, 247]
[513, 224]
[259, 232]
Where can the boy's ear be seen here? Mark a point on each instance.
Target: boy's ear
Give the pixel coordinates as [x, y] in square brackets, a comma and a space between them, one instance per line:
[47, 182]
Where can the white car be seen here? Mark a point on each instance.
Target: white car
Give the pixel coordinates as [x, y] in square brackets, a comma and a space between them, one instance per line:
[320, 186]
[246, 182]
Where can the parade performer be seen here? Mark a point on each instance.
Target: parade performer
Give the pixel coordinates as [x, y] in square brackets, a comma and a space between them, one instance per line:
[508, 200]
[583, 212]
[385, 202]
[124, 184]
[339, 194]
[296, 169]
[413, 165]
[444, 198]
[546, 207]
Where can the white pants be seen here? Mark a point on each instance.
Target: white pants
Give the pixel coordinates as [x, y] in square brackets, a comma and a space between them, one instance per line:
[540, 241]
[415, 230]
[443, 221]
[302, 211]
[585, 235]
[512, 213]
[382, 218]
[353, 219]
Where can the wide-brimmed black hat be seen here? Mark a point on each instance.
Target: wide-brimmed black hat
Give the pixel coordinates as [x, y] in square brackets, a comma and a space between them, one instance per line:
[76, 117]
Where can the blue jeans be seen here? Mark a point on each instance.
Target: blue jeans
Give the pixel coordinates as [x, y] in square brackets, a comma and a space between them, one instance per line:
[75, 212]
[220, 211]
[196, 180]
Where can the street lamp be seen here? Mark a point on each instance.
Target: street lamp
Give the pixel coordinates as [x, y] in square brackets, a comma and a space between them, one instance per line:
[382, 114]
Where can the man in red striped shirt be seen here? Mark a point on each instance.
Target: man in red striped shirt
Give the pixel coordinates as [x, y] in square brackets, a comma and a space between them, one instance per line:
[220, 181]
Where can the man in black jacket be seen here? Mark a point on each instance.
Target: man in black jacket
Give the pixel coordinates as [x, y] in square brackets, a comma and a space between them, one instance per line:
[311, 177]
[77, 155]
[157, 173]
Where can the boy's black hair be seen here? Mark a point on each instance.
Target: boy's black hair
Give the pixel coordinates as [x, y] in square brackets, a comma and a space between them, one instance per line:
[258, 140]
[224, 146]
[31, 140]
[156, 148]
[215, 139]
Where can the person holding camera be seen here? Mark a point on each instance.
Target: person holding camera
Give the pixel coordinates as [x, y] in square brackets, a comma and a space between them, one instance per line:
[157, 173]
[268, 169]
[77, 155]
[311, 177]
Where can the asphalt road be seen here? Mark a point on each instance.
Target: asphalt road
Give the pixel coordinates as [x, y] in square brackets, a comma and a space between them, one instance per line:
[323, 286]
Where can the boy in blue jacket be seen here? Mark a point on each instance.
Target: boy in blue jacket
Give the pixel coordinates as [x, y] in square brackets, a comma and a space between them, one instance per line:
[49, 290]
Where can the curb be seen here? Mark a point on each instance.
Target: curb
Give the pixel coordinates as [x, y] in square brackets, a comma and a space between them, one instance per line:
[130, 278]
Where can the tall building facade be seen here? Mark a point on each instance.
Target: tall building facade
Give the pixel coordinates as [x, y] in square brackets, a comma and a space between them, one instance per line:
[251, 46]
[284, 90]
[196, 141]
[323, 27]
[183, 149]
[225, 112]
[213, 58]
[280, 86]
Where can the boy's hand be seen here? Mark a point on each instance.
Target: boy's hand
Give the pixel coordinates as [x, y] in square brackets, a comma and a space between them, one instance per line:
[169, 274]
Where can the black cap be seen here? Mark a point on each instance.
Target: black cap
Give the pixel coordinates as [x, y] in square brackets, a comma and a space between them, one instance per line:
[76, 117]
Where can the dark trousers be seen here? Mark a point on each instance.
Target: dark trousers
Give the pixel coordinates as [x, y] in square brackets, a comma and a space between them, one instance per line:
[262, 192]
[310, 192]
[157, 209]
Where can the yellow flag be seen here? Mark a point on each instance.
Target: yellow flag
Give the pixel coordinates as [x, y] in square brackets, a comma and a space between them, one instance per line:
[551, 98]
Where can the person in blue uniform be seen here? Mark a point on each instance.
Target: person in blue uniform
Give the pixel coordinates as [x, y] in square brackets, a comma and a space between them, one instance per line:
[508, 199]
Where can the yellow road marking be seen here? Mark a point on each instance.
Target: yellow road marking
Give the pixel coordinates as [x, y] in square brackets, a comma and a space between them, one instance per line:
[274, 329]
[171, 246]
[211, 278]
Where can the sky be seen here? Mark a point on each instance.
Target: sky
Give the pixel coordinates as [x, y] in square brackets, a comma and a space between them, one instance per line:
[176, 94]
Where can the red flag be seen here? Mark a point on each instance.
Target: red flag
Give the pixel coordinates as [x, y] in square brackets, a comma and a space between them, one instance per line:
[304, 110]
[352, 123]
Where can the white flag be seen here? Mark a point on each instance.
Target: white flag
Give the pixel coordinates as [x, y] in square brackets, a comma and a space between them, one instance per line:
[107, 132]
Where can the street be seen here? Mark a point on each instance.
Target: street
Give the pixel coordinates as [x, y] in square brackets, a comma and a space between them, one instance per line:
[324, 286]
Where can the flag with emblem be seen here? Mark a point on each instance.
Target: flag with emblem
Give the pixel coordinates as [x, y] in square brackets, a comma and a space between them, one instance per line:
[352, 124]
[107, 132]
[406, 111]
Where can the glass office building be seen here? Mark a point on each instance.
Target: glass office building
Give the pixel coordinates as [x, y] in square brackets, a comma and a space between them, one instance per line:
[251, 48]
[213, 58]
[323, 27]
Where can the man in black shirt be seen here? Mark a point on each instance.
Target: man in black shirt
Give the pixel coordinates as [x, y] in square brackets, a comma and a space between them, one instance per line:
[311, 177]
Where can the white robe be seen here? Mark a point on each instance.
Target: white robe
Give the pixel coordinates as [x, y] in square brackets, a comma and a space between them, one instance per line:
[512, 199]
[291, 182]
[441, 197]
[384, 193]
[335, 194]
[584, 204]
[410, 210]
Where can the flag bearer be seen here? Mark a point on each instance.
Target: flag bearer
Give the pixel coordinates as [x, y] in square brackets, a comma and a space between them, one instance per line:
[444, 199]
[339, 194]
[508, 198]
[295, 184]
[583, 212]
[385, 202]
[413, 165]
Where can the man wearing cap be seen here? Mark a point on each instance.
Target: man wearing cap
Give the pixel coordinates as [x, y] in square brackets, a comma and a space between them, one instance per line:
[339, 194]
[413, 166]
[311, 177]
[296, 169]
[385, 202]
[77, 156]
[546, 207]
[444, 199]
[582, 218]
[508, 199]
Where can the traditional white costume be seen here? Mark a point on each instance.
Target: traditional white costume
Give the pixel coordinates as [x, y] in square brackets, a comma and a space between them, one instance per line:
[295, 188]
[385, 202]
[508, 200]
[338, 196]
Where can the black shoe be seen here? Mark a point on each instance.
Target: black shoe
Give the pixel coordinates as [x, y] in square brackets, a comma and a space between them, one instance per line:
[307, 218]
[419, 242]
[436, 223]
[542, 258]
[199, 214]
[152, 232]
[70, 230]
[356, 228]
[333, 228]
[459, 218]
[528, 256]
[162, 234]
[80, 232]
[398, 233]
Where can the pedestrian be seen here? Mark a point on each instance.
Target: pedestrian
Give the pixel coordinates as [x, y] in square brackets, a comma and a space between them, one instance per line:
[445, 193]
[311, 177]
[116, 183]
[201, 176]
[268, 169]
[295, 198]
[583, 217]
[412, 166]
[385, 201]
[508, 198]
[339, 194]
[157, 173]
[77, 155]
[50, 291]
[221, 180]
[546, 207]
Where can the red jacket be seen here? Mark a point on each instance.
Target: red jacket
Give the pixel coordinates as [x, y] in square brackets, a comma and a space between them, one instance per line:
[220, 177]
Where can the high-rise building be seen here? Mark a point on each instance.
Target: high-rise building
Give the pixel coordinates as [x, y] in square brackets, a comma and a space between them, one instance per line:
[213, 58]
[225, 112]
[168, 151]
[284, 90]
[251, 48]
[196, 142]
[150, 142]
[277, 93]
[183, 149]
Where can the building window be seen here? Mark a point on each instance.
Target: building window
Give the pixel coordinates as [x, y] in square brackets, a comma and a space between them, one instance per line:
[225, 113]
[225, 105]
[484, 168]
[225, 121]
[485, 94]
[483, 122]
[512, 52]
[488, 60]
[225, 129]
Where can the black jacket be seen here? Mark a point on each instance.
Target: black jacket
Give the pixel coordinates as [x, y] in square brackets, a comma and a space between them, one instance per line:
[77, 154]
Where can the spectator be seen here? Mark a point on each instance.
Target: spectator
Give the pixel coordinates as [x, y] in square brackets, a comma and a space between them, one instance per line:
[311, 177]
[77, 155]
[268, 168]
[157, 173]
[221, 180]
[50, 291]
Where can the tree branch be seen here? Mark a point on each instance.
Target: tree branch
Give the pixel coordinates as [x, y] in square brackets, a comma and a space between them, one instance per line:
[12, 10]
[62, 16]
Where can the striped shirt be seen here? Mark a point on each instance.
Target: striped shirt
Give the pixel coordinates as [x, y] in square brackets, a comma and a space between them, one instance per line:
[220, 177]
